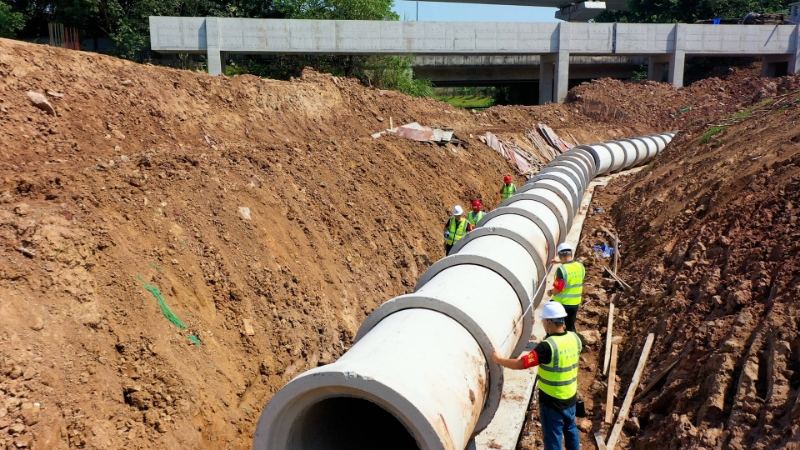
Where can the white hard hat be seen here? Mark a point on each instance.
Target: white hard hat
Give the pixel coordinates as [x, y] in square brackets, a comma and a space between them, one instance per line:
[553, 310]
[458, 210]
[564, 248]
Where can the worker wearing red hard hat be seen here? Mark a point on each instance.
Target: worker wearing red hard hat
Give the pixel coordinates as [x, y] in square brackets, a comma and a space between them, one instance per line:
[476, 215]
[509, 188]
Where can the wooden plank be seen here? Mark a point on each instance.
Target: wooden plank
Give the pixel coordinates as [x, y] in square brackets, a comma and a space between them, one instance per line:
[626, 405]
[609, 335]
[598, 438]
[624, 285]
[616, 251]
[612, 380]
[655, 380]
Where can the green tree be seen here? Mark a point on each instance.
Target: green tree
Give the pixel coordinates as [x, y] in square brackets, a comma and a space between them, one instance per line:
[688, 11]
[10, 21]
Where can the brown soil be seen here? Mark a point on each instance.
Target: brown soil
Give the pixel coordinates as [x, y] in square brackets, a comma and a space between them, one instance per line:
[710, 239]
[143, 171]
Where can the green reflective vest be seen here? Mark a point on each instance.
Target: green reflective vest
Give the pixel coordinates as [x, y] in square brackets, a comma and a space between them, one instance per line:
[457, 229]
[571, 295]
[475, 218]
[559, 378]
[509, 190]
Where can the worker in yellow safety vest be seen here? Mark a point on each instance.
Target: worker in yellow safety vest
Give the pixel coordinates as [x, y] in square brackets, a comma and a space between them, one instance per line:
[509, 188]
[568, 286]
[558, 357]
[456, 227]
[476, 214]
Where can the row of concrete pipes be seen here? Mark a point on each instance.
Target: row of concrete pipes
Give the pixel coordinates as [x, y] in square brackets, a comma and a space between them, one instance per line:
[420, 374]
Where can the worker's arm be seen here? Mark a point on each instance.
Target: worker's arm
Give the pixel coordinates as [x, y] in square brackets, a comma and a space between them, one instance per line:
[523, 362]
[558, 285]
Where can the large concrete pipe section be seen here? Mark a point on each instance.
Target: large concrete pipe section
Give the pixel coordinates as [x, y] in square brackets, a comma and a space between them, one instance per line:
[419, 374]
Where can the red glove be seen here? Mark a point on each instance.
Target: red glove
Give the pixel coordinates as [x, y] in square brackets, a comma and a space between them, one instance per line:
[558, 286]
[531, 360]
[470, 227]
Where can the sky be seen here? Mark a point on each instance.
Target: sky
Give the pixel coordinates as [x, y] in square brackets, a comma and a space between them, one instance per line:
[462, 12]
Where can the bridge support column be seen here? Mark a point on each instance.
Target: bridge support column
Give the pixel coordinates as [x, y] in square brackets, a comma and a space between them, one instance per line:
[656, 66]
[215, 58]
[794, 60]
[554, 70]
[773, 66]
[677, 60]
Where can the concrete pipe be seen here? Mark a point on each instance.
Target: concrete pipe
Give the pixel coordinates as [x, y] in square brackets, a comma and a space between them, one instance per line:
[631, 153]
[520, 230]
[416, 380]
[641, 150]
[484, 307]
[603, 158]
[585, 151]
[652, 146]
[556, 188]
[561, 176]
[581, 162]
[619, 156]
[549, 199]
[661, 140]
[577, 167]
[536, 213]
[419, 373]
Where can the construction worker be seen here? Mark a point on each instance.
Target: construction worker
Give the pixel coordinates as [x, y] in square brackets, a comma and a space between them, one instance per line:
[455, 228]
[557, 357]
[568, 286]
[476, 214]
[509, 188]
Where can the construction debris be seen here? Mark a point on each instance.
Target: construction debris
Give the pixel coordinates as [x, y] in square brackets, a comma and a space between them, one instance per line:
[416, 132]
[626, 404]
[525, 162]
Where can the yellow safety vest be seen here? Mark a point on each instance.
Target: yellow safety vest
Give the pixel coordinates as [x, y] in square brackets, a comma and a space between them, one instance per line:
[571, 295]
[559, 378]
[457, 230]
[509, 190]
[475, 218]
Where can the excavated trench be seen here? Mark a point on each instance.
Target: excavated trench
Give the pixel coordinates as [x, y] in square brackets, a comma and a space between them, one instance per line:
[420, 369]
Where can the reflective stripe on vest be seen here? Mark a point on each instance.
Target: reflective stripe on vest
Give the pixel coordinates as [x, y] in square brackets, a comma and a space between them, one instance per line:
[509, 190]
[457, 230]
[573, 289]
[475, 218]
[559, 378]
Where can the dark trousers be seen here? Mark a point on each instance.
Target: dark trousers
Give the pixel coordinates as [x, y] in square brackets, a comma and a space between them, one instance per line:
[557, 423]
[447, 248]
[572, 316]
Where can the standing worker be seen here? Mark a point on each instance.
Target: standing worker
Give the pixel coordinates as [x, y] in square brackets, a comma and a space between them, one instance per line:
[476, 214]
[455, 228]
[509, 188]
[557, 357]
[568, 287]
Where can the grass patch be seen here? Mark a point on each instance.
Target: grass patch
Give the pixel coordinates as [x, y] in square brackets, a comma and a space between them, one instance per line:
[749, 111]
[711, 133]
[468, 101]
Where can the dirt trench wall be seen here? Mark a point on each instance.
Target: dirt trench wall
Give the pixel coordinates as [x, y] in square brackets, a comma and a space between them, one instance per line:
[711, 233]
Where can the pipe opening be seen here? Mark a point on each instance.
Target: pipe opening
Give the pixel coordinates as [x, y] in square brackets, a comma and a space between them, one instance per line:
[349, 423]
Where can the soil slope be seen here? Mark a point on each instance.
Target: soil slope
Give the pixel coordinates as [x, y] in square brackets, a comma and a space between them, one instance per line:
[710, 243]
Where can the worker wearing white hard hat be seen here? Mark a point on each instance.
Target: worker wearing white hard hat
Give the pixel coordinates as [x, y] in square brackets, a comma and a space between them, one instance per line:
[558, 358]
[568, 286]
[456, 227]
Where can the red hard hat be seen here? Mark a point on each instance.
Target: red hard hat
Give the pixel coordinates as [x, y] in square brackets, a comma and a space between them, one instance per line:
[476, 205]
[507, 179]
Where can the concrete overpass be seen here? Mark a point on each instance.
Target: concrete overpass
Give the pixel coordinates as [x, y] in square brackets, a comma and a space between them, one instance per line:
[569, 10]
[666, 45]
[485, 70]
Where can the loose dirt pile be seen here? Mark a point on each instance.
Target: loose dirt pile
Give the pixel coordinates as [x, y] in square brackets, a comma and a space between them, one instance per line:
[267, 219]
[710, 243]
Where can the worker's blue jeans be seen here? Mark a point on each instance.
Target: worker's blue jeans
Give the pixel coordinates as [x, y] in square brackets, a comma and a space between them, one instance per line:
[554, 423]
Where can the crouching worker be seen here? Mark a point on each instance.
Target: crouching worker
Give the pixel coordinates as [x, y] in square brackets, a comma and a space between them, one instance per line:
[557, 357]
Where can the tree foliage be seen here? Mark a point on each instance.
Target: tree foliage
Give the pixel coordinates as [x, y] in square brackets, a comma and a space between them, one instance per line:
[10, 21]
[689, 11]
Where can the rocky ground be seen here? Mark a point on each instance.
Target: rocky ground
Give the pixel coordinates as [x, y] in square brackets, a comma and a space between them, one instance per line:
[271, 224]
